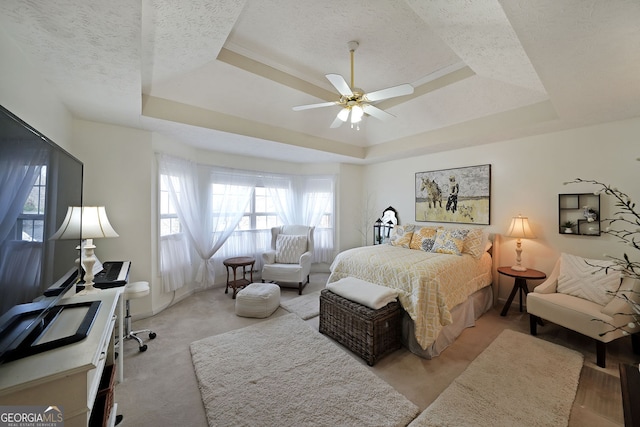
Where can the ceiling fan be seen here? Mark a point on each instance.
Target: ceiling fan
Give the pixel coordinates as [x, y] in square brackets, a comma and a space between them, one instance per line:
[354, 101]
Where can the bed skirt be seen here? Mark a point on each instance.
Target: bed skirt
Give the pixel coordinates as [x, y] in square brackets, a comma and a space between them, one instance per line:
[464, 316]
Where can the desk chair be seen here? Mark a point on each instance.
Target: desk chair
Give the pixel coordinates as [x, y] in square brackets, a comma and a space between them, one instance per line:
[131, 291]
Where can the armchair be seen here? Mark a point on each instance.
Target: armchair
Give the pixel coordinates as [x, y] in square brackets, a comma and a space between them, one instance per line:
[289, 259]
[603, 321]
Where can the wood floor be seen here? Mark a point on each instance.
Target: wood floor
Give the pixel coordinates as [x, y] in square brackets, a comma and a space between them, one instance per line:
[160, 387]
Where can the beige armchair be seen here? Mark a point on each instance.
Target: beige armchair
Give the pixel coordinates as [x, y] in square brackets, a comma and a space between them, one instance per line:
[289, 259]
[603, 323]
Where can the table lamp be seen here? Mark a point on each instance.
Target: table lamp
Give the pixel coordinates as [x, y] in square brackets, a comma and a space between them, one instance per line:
[93, 222]
[520, 229]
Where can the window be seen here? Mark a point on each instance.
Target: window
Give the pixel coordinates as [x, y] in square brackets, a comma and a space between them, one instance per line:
[30, 223]
[229, 212]
[261, 214]
[169, 221]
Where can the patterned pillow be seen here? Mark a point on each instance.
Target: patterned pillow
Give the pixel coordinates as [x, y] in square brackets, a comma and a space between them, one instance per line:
[475, 243]
[584, 278]
[401, 235]
[289, 248]
[450, 241]
[423, 238]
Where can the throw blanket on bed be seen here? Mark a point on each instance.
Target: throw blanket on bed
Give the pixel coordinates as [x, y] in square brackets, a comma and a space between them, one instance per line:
[429, 285]
[365, 293]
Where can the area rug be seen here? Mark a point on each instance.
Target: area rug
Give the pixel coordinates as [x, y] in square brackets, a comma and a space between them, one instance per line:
[282, 372]
[519, 380]
[306, 306]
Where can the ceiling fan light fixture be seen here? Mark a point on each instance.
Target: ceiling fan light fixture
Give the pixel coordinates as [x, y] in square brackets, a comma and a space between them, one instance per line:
[343, 114]
[356, 113]
[355, 101]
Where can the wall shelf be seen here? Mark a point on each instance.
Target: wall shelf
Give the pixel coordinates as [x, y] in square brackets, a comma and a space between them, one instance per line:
[576, 208]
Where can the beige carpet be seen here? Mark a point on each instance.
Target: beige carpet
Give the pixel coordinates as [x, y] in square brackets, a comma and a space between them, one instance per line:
[282, 372]
[519, 380]
[305, 306]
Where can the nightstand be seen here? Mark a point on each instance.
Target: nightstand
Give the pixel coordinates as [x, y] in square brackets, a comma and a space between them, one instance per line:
[520, 283]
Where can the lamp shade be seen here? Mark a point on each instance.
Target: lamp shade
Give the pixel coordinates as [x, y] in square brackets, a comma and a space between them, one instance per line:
[92, 220]
[520, 228]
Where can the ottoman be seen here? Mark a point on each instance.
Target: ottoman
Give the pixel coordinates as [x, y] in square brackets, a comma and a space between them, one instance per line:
[258, 300]
[369, 333]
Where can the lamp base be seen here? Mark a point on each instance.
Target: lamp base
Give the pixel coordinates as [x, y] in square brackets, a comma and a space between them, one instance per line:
[89, 289]
[88, 261]
[518, 268]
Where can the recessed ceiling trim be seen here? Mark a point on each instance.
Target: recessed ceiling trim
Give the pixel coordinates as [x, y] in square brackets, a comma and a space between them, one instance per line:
[165, 109]
[471, 130]
[263, 70]
[430, 86]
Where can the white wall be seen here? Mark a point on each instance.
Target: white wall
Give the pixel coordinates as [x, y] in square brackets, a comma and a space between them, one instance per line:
[118, 175]
[527, 174]
[24, 92]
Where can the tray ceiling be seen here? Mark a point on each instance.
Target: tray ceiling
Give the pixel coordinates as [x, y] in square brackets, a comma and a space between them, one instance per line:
[224, 75]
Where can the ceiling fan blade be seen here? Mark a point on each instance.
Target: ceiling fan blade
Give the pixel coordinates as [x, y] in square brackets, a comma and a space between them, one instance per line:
[376, 112]
[340, 84]
[391, 92]
[307, 107]
[340, 118]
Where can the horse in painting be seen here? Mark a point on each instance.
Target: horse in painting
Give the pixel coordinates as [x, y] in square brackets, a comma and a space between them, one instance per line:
[434, 194]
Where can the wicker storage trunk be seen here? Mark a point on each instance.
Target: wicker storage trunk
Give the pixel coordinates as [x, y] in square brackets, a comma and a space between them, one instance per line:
[371, 334]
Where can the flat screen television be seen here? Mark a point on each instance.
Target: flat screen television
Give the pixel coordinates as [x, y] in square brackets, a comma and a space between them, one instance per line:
[38, 181]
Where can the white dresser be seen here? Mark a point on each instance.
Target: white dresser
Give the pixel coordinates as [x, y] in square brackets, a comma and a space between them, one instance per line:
[69, 376]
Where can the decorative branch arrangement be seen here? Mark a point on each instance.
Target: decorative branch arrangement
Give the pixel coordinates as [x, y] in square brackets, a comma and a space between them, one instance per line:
[625, 225]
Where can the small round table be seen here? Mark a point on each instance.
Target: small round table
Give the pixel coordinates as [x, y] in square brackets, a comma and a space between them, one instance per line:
[520, 283]
[234, 264]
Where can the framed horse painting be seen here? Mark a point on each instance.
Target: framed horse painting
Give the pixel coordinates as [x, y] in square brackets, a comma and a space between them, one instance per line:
[460, 195]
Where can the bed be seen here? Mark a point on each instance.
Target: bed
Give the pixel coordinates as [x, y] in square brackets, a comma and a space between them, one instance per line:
[442, 275]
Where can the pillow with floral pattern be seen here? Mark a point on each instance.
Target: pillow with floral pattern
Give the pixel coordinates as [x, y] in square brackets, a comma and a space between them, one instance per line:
[450, 241]
[423, 238]
[401, 235]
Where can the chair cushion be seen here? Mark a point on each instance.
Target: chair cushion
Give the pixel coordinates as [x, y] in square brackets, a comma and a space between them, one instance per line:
[258, 300]
[289, 248]
[577, 314]
[588, 278]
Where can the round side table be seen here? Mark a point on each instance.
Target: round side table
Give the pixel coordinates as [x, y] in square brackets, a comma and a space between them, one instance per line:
[234, 264]
[520, 283]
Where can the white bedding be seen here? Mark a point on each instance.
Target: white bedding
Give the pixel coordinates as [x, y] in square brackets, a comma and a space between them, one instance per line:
[429, 284]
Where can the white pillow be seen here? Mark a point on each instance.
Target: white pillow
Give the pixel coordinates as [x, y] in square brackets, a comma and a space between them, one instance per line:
[584, 278]
[289, 248]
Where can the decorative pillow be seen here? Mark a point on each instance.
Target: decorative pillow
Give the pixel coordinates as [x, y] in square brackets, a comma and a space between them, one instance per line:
[401, 235]
[588, 279]
[289, 248]
[450, 241]
[423, 238]
[474, 243]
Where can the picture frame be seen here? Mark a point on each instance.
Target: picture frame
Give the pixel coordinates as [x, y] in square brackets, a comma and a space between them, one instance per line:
[459, 195]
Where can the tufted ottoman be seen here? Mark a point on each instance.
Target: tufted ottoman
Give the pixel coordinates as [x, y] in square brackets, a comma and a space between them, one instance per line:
[258, 300]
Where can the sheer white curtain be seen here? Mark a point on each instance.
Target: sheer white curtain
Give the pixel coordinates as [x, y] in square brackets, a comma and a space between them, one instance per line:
[233, 190]
[208, 213]
[317, 210]
[175, 261]
[306, 200]
[19, 261]
[17, 175]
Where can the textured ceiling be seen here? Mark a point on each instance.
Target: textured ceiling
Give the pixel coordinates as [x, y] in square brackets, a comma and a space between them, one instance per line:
[224, 75]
